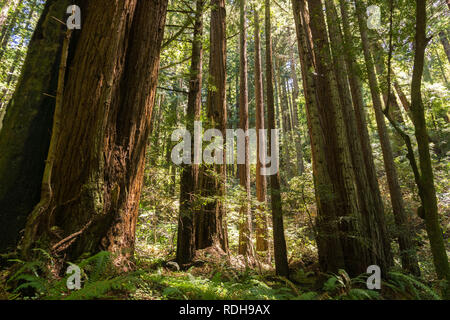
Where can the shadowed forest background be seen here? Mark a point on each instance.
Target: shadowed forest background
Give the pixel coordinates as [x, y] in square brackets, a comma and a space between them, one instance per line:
[86, 172]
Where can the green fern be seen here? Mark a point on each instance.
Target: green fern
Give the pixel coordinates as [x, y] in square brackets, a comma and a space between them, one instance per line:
[408, 284]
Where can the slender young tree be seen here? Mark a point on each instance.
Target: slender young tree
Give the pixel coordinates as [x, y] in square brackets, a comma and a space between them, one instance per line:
[426, 181]
[389, 164]
[408, 255]
[280, 251]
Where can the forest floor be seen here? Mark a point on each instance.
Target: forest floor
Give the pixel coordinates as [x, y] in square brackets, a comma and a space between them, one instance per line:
[213, 275]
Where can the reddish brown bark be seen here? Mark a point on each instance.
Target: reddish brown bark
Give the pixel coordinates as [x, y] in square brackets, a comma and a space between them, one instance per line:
[189, 175]
[261, 184]
[97, 172]
[210, 221]
[280, 251]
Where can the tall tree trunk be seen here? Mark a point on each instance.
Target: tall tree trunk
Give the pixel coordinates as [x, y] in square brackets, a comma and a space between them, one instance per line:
[331, 256]
[211, 229]
[189, 174]
[32, 105]
[445, 44]
[280, 251]
[93, 197]
[297, 132]
[426, 184]
[261, 183]
[394, 108]
[403, 99]
[284, 118]
[245, 226]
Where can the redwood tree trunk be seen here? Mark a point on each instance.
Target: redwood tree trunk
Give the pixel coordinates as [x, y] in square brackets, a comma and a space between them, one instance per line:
[245, 225]
[261, 184]
[210, 221]
[296, 128]
[280, 251]
[97, 172]
[331, 256]
[189, 174]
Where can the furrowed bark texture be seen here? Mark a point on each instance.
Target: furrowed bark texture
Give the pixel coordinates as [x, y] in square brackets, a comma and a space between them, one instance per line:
[245, 226]
[189, 175]
[210, 221]
[262, 244]
[279, 241]
[98, 168]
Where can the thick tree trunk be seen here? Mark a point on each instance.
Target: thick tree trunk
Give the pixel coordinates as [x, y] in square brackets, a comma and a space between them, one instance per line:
[189, 174]
[331, 256]
[280, 251]
[32, 105]
[245, 225]
[107, 103]
[426, 184]
[339, 162]
[210, 223]
[261, 184]
[370, 205]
